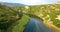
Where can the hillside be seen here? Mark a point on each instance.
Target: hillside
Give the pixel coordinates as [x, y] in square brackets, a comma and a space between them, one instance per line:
[11, 19]
[49, 12]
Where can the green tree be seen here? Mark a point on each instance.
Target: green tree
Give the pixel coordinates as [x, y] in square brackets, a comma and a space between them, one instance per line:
[8, 16]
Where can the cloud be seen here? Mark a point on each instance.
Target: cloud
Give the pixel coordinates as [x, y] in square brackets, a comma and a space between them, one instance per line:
[34, 2]
[30, 2]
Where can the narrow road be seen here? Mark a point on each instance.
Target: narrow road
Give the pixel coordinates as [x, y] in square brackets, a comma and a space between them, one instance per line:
[36, 25]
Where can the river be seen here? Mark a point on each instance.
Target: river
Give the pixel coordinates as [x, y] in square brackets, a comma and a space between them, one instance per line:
[36, 25]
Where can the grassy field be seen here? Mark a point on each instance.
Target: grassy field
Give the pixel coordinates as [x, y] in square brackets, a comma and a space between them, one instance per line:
[21, 24]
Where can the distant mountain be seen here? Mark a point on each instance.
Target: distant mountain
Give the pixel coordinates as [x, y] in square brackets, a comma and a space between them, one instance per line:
[12, 4]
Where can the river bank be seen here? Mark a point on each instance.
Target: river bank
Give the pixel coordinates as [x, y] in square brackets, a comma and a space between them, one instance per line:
[50, 25]
[47, 23]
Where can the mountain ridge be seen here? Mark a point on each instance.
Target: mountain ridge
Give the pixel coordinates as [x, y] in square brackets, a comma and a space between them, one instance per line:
[12, 4]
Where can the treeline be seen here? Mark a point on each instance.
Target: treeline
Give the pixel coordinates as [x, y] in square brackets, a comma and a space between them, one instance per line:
[8, 16]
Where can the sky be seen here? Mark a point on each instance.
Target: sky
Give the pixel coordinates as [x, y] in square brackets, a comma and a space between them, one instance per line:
[31, 2]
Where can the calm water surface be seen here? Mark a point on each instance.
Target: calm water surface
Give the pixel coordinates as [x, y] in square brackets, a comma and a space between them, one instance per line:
[36, 25]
